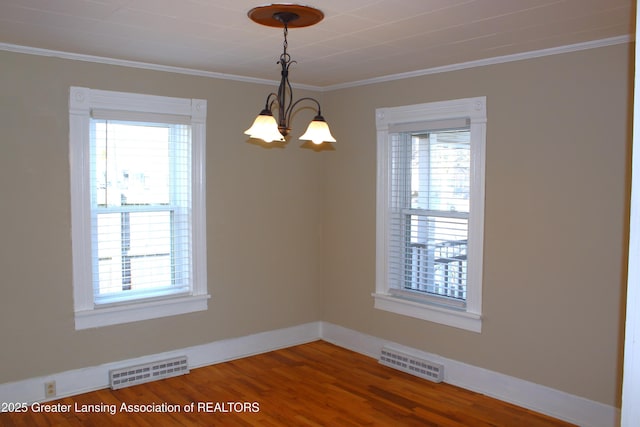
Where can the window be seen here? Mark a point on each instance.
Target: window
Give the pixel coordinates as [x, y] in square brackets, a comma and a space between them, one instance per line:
[138, 206]
[430, 211]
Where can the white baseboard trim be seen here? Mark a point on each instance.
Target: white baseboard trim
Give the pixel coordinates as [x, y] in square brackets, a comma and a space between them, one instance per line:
[93, 378]
[555, 403]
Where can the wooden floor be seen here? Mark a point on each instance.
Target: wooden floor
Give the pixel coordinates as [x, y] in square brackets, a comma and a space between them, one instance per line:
[315, 384]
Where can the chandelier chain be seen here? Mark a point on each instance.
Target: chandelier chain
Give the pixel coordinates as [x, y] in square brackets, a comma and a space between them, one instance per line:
[285, 56]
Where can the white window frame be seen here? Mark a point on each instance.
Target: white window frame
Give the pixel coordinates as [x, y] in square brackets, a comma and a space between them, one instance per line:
[469, 316]
[82, 102]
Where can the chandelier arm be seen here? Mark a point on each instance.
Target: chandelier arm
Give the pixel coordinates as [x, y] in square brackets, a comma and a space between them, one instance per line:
[292, 106]
[287, 100]
[268, 105]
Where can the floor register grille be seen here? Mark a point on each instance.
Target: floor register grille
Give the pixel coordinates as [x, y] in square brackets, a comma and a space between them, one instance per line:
[413, 365]
[132, 375]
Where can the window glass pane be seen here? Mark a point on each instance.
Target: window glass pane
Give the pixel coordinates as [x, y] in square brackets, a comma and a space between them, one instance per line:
[132, 163]
[436, 255]
[134, 251]
[141, 193]
[431, 181]
[440, 165]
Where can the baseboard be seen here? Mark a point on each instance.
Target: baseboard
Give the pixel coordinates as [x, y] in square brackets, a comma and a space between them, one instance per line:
[93, 378]
[555, 403]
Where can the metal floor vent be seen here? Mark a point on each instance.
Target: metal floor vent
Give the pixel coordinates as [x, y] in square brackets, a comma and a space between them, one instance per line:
[132, 375]
[412, 365]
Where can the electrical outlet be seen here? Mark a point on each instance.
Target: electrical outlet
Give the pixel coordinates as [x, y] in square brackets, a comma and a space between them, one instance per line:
[50, 389]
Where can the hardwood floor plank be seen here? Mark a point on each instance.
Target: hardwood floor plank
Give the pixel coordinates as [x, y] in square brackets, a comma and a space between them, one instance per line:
[316, 385]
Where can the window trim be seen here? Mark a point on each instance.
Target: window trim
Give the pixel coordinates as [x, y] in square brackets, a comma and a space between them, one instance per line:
[388, 299]
[82, 101]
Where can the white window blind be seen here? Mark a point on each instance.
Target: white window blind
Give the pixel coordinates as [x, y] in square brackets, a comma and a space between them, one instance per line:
[140, 183]
[428, 219]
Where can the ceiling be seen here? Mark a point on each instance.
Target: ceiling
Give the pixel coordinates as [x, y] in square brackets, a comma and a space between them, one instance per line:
[357, 40]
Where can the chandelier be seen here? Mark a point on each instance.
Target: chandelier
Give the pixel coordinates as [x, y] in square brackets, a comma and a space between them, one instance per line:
[265, 126]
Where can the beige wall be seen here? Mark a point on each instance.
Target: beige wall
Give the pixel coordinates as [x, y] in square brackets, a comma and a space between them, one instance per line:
[291, 233]
[555, 221]
[263, 220]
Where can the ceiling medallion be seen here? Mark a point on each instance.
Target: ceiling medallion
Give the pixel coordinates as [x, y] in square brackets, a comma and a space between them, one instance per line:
[296, 16]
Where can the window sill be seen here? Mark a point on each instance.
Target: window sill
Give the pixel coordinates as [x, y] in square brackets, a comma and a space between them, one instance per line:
[447, 316]
[136, 311]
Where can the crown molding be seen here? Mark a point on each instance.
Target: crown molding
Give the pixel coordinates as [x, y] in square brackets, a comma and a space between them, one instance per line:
[144, 65]
[488, 61]
[400, 76]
